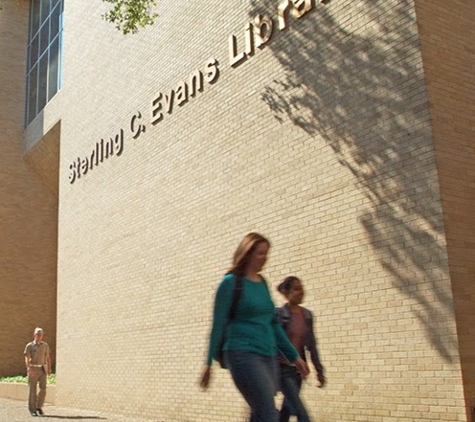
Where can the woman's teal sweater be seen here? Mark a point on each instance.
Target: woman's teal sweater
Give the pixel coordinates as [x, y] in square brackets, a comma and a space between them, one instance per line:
[253, 328]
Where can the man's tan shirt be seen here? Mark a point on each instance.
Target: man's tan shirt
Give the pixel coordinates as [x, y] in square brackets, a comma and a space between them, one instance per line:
[38, 354]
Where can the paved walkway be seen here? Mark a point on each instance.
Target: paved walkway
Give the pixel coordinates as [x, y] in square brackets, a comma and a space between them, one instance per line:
[17, 411]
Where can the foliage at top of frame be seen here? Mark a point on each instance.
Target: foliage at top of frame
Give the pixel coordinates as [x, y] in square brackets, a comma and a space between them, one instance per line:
[130, 15]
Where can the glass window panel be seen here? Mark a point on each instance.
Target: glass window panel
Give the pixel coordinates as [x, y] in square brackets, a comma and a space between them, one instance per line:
[44, 55]
[35, 17]
[55, 16]
[45, 9]
[53, 69]
[54, 3]
[34, 50]
[28, 58]
[44, 37]
[60, 58]
[42, 82]
[31, 108]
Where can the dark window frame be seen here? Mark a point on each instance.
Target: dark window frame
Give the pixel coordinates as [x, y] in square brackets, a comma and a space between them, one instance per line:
[44, 55]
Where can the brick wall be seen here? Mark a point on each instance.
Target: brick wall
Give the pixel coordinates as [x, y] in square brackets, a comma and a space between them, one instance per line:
[28, 211]
[447, 39]
[321, 140]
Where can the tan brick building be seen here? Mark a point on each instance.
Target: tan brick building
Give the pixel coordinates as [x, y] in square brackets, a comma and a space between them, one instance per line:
[28, 208]
[345, 135]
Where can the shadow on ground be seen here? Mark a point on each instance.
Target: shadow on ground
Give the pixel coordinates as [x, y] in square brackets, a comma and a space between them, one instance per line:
[74, 418]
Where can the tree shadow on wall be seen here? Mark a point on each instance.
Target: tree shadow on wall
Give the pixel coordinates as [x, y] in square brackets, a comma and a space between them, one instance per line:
[362, 91]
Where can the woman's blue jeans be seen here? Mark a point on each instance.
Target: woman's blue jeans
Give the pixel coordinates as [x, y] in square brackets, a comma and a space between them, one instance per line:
[290, 384]
[256, 377]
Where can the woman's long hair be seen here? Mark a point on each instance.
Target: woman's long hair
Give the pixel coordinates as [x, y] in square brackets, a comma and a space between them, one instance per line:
[244, 250]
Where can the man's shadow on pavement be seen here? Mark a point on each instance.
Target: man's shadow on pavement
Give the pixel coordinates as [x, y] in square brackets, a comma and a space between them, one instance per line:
[72, 417]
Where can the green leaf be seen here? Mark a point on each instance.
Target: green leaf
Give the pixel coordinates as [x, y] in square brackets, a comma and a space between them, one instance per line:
[129, 16]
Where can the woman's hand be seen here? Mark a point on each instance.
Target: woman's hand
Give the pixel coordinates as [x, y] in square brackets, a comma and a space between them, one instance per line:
[321, 379]
[302, 367]
[205, 378]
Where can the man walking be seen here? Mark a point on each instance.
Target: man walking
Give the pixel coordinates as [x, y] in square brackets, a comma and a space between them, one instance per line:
[38, 366]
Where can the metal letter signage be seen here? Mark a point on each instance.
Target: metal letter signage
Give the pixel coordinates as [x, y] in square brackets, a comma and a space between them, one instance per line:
[257, 33]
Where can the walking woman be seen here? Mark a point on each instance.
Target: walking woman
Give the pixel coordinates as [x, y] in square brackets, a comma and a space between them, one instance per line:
[251, 335]
[298, 324]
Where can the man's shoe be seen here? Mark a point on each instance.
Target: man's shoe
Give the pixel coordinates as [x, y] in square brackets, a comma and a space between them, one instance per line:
[40, 412]
[34, 414]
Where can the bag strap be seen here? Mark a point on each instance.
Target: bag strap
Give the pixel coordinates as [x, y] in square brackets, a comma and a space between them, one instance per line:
[238, 287]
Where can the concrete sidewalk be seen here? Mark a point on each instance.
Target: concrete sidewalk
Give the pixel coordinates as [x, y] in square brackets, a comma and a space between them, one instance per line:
[17, 411]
